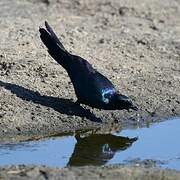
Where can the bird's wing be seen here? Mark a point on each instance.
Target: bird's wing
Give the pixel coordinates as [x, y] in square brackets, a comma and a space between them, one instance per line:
[94, 78]
[80, 68]
[100, 88]
[104, 87]
[102, 82]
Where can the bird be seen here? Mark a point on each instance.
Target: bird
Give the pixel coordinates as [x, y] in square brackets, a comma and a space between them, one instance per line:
[91, 87]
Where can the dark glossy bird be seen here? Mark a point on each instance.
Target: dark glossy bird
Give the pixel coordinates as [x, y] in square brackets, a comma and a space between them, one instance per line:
[91, 87]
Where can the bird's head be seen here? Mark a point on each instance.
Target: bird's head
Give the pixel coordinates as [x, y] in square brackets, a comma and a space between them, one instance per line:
[124, 102]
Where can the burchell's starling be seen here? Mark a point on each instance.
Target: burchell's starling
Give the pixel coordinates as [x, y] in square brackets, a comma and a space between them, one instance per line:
[91, 87]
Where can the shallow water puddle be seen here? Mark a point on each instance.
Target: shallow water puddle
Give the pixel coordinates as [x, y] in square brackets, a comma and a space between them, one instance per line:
[160, 143]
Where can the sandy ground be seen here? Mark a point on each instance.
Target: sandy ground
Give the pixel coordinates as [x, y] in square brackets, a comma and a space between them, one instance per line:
[136, 44]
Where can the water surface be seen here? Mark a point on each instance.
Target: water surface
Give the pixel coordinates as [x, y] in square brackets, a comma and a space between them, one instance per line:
[160, 142]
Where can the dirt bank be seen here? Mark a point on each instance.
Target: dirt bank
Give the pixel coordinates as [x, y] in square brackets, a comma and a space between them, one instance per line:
[136, 44]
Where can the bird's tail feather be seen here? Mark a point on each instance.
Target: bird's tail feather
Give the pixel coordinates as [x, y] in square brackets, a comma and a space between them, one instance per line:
[53, 35]
[55, 47]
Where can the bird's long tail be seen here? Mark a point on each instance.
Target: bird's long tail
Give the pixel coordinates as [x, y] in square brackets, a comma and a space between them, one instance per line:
[55, 47]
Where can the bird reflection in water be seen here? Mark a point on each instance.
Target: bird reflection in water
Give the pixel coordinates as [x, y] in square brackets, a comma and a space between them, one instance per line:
[98, 149]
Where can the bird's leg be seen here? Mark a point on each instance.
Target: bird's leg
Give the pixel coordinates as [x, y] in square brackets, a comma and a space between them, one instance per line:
[77, 103]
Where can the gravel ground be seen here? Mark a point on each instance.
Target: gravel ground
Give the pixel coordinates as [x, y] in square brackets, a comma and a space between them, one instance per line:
[136, 44]
[88, 173]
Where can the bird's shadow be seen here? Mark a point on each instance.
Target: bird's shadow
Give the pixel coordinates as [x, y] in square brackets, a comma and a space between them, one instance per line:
[64, 106]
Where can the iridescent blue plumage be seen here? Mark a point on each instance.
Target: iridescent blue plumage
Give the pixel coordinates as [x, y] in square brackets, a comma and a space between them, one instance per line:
[91, 87]
[106, 93]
